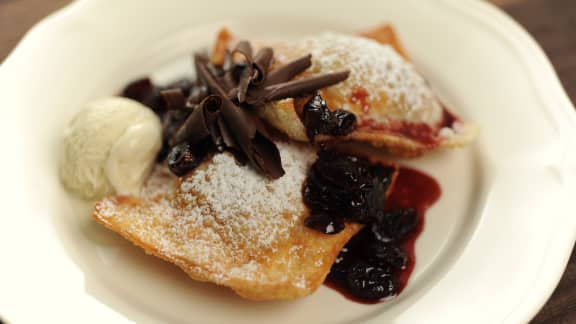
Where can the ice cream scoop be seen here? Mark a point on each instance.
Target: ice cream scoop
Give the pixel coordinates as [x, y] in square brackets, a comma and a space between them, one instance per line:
[109, 147]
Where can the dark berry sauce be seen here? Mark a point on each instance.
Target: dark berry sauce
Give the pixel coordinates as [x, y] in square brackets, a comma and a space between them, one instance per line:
[371, 267]
[413, 189]
[345, 188]
[318, 119]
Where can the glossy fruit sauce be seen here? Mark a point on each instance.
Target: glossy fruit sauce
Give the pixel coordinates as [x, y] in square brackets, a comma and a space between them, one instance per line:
[413, 191]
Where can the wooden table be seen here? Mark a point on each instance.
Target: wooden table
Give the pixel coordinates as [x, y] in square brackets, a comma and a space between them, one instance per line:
[552, 22]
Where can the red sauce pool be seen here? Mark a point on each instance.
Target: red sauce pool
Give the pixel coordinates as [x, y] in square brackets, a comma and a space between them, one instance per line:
[413, 189]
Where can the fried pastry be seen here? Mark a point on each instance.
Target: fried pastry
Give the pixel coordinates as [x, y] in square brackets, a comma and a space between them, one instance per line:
[226, 224]
[394, 105]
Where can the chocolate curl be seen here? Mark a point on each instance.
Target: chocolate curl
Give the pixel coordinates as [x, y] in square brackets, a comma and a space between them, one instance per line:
[256, 68]
[198, 60]
[281, 75]
[139, 90]
[211, 107]
[184, 84]
[244, 83]
[174, 99]
[245, 49]
[239, 120]
[228, 81]
[230, 143]
[217, 138]
[227, 136]
[295, 88]
[256, 146]
[204, 74]
[145, 92]
[262, 62]
[198, 125]
[299, 87]
[266, 156]
[197, 94]
[232, 76]
[241, 123]
[288, 71]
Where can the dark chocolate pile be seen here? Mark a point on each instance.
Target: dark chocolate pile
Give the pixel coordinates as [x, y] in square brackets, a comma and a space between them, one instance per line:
[218, 111]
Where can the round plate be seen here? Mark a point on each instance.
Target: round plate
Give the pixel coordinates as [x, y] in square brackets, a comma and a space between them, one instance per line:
[493, 247]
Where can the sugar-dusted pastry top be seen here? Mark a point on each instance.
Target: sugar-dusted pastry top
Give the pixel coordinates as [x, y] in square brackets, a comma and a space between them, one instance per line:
[395, 106]
[382, 85]
[227, 224]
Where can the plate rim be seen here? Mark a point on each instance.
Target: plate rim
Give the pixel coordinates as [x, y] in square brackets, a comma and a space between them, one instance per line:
[550, 90]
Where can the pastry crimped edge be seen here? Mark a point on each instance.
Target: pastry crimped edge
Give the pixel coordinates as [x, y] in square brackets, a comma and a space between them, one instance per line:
[244, 288]
[284, 113]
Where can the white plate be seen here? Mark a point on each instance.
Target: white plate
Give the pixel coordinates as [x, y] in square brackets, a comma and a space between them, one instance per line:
[493, 248]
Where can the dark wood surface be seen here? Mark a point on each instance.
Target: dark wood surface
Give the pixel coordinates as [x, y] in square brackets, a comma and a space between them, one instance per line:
[551, 22]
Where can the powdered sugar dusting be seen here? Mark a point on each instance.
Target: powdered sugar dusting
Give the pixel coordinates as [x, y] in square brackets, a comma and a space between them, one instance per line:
[241, 201]
[225, 217]
[377, 68]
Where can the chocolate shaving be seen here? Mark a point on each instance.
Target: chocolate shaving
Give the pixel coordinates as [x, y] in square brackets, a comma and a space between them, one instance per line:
[228, 81]
[174, 99]
[295, 88]
[288, 71]
[237, 123]
[204, 74]
[144, 91]
[184, 84]
[139, 90]
[266, 156]
[245, 49]
[198, 59]
[227, 135]
[262, 62]
[198, 125]
[244, 83]
[197, 94]
[255, 70]
[241, 124]
[231, 144]
[216, 136]
[304, 86]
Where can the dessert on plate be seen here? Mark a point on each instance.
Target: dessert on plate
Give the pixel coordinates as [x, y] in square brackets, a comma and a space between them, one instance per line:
[252, 187]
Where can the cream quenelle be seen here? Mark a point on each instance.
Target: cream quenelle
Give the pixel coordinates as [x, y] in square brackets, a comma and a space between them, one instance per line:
[109, 147]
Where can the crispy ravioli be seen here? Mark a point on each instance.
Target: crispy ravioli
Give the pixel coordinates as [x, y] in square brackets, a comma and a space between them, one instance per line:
[227, 224]
[395, 107]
